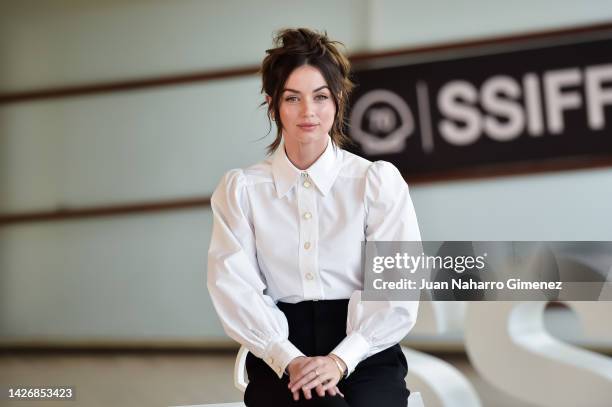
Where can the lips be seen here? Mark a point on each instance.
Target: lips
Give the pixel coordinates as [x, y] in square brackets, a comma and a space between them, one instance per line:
[307, 126]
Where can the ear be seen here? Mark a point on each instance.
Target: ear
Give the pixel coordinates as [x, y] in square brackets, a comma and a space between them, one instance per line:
[269, 102]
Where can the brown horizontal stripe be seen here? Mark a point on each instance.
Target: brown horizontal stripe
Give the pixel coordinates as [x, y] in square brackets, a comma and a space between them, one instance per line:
[498, 40]
[125, 85]
[518, 169]
[107, 210]
[204, 76]
[106, 347]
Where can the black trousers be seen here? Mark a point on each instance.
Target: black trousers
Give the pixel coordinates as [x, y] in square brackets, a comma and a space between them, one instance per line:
[316, 327]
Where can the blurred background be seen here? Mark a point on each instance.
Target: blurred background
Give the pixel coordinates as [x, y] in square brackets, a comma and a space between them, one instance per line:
[117, 120]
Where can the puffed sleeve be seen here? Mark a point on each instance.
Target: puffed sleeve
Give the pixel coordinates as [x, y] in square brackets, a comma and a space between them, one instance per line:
[373, 326]
[235, 283]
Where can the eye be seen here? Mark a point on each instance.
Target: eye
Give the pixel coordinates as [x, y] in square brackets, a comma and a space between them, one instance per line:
[321, 97]
[291, 99]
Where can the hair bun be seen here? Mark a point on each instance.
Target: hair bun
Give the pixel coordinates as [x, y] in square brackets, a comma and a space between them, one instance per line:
[303, 41]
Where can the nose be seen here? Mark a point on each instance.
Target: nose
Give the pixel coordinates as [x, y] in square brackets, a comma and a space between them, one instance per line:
[308, 108]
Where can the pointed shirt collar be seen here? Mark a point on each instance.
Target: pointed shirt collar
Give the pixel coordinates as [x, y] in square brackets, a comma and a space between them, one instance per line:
[322, 172]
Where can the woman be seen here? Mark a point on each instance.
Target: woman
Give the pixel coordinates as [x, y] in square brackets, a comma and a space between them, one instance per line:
[284, 265]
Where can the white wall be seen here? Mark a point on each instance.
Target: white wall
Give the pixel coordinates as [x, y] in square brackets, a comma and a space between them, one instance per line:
[399, 23]
[142, 277]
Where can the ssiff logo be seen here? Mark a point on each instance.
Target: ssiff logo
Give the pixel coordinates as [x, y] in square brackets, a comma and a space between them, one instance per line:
[381, 121]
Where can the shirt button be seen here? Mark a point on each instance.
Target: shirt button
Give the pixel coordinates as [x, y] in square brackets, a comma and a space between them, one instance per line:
[309, 276]
[307, 184]
[307, 245]
[307, 215]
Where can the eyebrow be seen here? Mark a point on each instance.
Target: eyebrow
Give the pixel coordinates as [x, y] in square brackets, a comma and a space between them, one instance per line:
[297, 91]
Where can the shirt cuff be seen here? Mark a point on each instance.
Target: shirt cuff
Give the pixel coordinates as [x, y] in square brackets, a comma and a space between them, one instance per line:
[352, 350]
[278, 355]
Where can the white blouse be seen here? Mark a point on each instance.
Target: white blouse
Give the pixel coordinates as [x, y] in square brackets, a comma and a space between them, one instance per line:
[284, 234]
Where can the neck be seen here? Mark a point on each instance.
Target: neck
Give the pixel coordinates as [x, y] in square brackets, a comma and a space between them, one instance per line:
[302, 156]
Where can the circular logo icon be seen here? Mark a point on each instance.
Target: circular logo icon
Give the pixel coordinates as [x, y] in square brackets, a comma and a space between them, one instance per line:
[381, 121]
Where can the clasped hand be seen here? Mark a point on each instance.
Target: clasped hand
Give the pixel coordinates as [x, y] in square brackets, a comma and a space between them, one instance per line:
[320, 373]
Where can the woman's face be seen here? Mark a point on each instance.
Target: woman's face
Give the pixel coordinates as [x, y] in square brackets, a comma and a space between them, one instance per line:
[306, 109]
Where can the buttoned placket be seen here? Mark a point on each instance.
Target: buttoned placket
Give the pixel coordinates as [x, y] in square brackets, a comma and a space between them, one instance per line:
[309, 234]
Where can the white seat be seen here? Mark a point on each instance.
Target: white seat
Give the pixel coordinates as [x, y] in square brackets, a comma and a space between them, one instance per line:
[240, 377]
[440, 383]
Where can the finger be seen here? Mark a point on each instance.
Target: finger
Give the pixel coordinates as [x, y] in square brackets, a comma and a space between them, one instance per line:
[304, 380]
[320, 380]
[311, 385]
[332, 392]
[312, 364]
[299, 377]
[320, 391]
[331, 384]
[296, 395]
[339, 392]
[307, 394]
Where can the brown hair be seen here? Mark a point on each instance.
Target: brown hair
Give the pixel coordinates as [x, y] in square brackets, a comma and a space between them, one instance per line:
[298, 47]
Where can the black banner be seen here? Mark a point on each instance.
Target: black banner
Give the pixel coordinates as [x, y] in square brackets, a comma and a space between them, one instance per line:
[538, 103]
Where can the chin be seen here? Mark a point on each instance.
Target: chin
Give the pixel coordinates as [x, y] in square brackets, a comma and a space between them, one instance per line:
[304, 137]
[312, 138]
